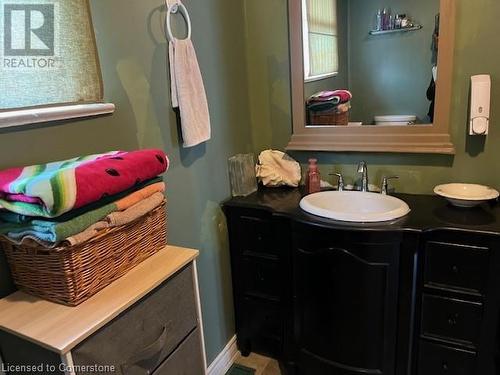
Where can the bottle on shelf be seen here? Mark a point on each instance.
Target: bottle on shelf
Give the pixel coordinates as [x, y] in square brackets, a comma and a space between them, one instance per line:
[379, 23]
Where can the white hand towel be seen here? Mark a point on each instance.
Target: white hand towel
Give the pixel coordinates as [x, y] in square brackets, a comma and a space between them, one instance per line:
[188, 93]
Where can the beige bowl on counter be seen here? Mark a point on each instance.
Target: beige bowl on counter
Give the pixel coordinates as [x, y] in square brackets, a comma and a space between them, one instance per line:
[466, 195]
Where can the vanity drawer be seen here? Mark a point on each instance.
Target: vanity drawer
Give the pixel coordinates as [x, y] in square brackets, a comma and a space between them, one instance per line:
[187, 359]
[138, 340]
[434, 359]
[262, 325]
[457, 266]
[255, 233]
[451, 319]
[261, 278]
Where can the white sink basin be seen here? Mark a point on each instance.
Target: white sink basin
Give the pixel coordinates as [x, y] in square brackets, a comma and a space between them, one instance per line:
[354, 206]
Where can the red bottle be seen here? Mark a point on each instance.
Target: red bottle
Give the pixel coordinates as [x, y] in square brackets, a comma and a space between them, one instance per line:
[313, 179]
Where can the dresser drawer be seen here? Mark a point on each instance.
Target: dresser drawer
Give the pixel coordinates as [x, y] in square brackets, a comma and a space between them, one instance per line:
[187, 359]
[138, 340]
[261, 278]
[451, 319]
[434, 359]
[255, 233]
[456, 266]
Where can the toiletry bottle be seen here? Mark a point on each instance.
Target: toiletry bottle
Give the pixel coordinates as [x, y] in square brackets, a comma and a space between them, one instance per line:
[313, 180]
[379, 24]
[385, 19]
[397, 21]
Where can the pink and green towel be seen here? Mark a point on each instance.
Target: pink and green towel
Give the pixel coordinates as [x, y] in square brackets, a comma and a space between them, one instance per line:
[50, 190]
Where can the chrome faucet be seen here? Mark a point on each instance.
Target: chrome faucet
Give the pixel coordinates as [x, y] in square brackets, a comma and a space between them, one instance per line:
[341, 181]
[385, 184]
[363, 168]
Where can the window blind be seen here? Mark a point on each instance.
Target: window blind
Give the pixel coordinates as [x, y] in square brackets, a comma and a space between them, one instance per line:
[320, 38]
[48, 54]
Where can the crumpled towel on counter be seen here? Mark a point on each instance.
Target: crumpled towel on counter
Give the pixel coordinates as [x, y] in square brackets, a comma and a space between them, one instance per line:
[276, 169]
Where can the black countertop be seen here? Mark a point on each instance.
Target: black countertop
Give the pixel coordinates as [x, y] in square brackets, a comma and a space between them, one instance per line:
[428, 213]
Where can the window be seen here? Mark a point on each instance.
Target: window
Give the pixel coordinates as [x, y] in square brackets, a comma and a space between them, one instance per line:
[319, 18]
[48, 59]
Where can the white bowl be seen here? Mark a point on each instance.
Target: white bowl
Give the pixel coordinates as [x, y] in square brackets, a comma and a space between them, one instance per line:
[466, 195]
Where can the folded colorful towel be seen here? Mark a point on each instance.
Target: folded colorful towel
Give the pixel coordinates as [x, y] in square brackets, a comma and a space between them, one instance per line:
[140, 195]
[49, 233]
[333, 97]
[50, 190]
[139, 209]
[118, 218]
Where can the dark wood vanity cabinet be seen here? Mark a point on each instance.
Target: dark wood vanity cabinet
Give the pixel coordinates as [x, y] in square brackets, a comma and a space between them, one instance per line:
[459, 307]
[407, 298]
[346, 300]
[258, 270]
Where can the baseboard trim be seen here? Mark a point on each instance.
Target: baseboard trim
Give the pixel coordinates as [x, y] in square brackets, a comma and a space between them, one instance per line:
[225, 359]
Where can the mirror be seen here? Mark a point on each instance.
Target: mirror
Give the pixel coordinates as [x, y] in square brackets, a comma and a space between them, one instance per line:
[372, 75]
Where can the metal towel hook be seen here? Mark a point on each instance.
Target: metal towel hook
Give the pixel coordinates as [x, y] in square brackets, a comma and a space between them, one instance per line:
[173, 7]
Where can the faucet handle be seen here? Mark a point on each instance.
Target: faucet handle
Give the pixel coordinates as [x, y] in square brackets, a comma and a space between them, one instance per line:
[361, 166]
[341, 180]
[385, 183]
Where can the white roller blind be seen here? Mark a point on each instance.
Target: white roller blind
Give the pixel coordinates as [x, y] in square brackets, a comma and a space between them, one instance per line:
[320, 38]
[48, 54]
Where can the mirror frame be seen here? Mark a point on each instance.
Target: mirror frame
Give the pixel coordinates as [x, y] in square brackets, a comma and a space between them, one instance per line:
[424, 138]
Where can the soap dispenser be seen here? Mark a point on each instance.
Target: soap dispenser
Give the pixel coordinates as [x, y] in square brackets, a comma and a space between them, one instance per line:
[313, 178]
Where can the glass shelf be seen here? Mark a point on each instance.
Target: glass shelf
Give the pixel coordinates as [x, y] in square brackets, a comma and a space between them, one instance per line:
[403, 30]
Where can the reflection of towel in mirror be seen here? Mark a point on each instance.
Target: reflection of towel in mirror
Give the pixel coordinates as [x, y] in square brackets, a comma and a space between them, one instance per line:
[188, 92]
[333, 97]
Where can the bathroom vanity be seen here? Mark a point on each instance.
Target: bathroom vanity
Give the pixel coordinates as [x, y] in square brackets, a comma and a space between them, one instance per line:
[419, 295]
[147, 322]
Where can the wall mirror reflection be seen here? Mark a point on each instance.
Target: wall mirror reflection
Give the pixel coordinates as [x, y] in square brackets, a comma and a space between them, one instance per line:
[370, 62]
[372, 75]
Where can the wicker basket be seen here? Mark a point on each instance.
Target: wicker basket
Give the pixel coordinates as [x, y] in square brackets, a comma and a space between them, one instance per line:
[71, 274]
[328, 118]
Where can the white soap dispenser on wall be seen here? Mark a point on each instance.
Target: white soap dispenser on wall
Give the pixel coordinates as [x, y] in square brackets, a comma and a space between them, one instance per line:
[480, 104]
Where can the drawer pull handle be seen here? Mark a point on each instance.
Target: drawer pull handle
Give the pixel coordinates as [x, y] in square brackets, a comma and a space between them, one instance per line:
[148, 352]
[445, 366]
[260, 276]
[455, 269]
[453, 319]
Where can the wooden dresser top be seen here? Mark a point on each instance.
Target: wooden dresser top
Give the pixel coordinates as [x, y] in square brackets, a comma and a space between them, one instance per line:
[60, 328]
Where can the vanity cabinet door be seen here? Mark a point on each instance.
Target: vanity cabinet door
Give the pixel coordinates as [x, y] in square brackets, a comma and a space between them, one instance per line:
[346, 302]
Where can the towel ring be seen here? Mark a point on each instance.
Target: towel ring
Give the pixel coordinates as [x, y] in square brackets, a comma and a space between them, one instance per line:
[172, 10]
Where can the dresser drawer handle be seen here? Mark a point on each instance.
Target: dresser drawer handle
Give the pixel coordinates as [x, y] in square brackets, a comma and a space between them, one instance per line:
[260, 276]
[148, 352]
[445, 366]
[455, 269]
[453, 319]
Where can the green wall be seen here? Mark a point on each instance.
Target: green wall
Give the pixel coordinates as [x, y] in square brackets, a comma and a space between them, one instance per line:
[476, 159]
[133, 58]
